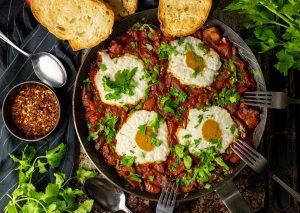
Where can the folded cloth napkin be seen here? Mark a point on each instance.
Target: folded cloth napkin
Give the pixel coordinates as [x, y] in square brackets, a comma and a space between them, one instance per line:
[17, 22]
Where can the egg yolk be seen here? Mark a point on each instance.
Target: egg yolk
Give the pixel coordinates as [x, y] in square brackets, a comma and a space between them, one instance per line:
[211, 130]
[194, 61]
[142, 140]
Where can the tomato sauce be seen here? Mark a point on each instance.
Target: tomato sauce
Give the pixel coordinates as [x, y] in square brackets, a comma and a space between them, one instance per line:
[245, 117]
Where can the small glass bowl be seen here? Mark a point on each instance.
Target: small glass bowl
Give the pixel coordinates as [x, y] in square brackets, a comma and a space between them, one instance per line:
[7, 113]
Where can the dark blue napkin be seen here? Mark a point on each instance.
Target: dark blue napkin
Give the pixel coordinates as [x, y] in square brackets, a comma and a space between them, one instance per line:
[17, 22]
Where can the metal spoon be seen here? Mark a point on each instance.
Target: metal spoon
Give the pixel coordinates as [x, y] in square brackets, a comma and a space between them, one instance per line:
[45, 65]
[106, 196]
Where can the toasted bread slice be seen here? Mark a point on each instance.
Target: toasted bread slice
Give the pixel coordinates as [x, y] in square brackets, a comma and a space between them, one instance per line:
[182, 18]
[123, 8]
[85, 22]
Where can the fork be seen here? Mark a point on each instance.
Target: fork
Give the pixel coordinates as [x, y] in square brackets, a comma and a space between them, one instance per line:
[275, 100]
[259, 163]
[167, 199]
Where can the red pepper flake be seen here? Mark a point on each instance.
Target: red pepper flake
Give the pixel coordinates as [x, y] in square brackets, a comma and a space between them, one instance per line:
[35, 110]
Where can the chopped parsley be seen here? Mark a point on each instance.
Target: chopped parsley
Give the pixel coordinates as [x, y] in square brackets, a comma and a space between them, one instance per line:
[182, 152]
[152, 76]
[156, 123]
[200, 118]
[220, 161]
[180, 41]
[201, 47]
[217, 143]
[106, 126]
[149, 46]
[165, 50]
[154, 140]
[228, 96]
[187, 160]
[127, 160]
[151, 178]
[197, 141]
[124, 84]
[187, 47]
[182, 96]
[87, 84]
[187, 136]
[143, 128]
[134, 45]
[112, 149]
[126, 108]
[103, 67]
[234, 76]
[233, 128]
[134, 177]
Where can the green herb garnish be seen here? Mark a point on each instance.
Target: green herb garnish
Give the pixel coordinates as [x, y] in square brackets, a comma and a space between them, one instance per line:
[124, 84]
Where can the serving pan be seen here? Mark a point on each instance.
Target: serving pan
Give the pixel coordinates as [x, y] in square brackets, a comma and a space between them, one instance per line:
[225, 188]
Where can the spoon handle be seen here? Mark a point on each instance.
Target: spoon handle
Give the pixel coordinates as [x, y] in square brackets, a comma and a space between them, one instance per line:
[125, 209]
[4, 38]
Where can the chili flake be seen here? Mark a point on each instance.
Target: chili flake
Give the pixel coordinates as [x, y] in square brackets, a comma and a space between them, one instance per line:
[35, 110]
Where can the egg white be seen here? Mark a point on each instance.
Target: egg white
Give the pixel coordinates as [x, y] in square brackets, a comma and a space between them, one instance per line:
[178, 67]
[194, 128]
[115, 65]
[126, 144]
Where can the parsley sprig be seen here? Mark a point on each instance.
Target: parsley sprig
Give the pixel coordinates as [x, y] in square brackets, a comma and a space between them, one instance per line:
[274, 24]
[124, 84]
[57, 196]
[106, 126]
[227, 96]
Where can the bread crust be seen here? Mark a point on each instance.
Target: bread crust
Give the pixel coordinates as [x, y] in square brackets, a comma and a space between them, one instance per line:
[182, 18]
[75, 21]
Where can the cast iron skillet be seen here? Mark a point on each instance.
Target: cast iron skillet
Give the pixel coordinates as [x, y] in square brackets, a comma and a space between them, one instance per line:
[226, 189]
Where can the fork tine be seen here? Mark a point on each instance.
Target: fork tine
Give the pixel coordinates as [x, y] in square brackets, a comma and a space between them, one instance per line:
[162, 194]
[258, 100]
[257, 97]
[259, 93]
[252, 150]
[172, 197]
[167, 195]
[244, 157]
[256, 104]
[247, 150]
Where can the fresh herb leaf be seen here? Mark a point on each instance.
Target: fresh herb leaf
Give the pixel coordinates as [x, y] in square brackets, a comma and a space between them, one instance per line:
[127, 160]
[84, 173]
[200, 118]
[134, 177]
[233, 128]
[55, 155]
[154, 140]
[165, 50]
[201, 47]
[151, 178]
[143, 128]
[87, 84]
[149, 46]
[134, 45]
[187, 136]
[188, 47]
[273, 25]
[103, 67]
[197, 141]
[227, 96]
[187, 160]
[220, 161]
[124, 84]
[180, 41]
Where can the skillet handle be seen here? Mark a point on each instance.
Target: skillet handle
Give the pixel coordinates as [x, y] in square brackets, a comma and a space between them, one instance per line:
[232, 198]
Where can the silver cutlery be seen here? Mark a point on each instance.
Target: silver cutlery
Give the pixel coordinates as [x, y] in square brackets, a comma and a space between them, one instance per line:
[45, 65]
[275, 100]
[105, 195]
[167, 199]
[259, 163]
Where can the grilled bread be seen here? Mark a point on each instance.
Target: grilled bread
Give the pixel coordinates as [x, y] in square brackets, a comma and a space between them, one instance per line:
[85, 23]
[123, 8]
[182, 18]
